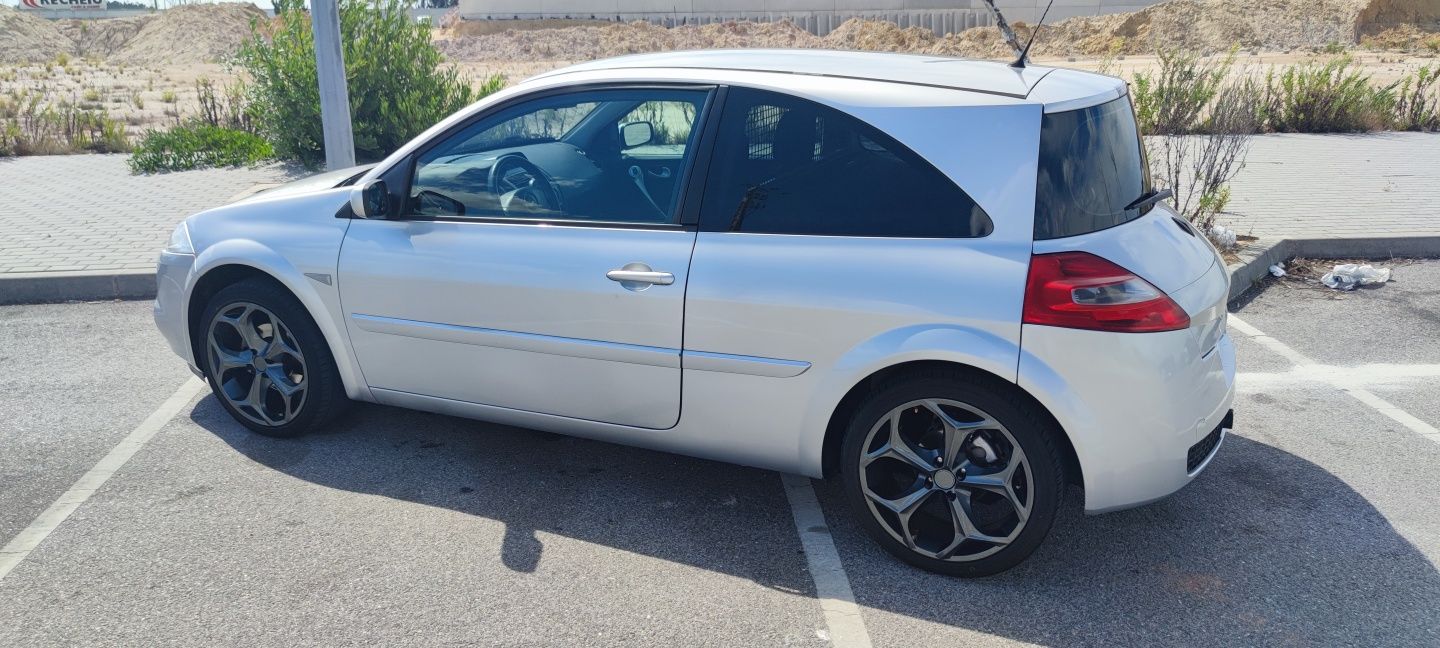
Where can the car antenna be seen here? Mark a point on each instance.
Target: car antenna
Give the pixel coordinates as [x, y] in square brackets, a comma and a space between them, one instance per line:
[1020, 60]
[1005, 31]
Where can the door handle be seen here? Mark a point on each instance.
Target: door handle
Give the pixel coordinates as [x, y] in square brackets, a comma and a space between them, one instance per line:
[638, 276]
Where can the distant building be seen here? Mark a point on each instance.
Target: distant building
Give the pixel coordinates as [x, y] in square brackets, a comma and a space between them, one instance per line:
[817, 16]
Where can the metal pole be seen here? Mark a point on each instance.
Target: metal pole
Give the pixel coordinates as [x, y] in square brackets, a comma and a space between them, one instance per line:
[334, 97]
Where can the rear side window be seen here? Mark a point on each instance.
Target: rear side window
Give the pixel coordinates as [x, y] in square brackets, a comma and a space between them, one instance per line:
[1091, 166]
[784, 165]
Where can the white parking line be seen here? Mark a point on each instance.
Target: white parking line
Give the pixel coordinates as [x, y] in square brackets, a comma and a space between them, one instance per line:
[832, 586]
[31, 536]
[1344, 380]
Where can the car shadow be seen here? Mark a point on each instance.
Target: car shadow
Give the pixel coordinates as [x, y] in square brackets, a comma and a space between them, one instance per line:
[1266, 548]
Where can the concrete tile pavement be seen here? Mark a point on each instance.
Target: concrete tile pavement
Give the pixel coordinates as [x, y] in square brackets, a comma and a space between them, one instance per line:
[88, 213]
[1338, 186]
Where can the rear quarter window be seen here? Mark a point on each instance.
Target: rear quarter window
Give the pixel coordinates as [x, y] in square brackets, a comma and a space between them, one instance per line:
[785, 165]
[1092, 165]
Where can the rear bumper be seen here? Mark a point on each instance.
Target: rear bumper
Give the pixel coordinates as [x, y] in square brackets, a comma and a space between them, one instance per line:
[1133, 405]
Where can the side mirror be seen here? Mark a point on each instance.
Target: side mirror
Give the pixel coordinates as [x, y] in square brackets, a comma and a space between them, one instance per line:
[636, 134]
[370, 200]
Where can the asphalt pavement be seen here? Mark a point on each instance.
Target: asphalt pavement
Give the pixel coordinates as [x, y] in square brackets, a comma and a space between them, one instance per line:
[1315, 525]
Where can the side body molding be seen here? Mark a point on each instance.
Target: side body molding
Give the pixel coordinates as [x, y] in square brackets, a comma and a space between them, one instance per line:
[582, 348]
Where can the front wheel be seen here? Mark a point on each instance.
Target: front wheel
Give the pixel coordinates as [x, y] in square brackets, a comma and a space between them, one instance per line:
[266, 360]
[953, 473]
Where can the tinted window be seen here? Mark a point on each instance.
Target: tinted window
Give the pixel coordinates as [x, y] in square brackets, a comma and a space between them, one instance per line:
[788, 166]
[608, 155]
[1091, 167]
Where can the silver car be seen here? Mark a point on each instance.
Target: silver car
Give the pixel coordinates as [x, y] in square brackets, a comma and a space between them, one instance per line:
[947, 283]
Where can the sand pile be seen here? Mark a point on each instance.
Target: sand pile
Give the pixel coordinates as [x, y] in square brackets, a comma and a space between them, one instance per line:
[882, 36]
[25, 38]
[1200, 25]
[616, 39]
[190, 34]
[101, 38]
[1209, 26]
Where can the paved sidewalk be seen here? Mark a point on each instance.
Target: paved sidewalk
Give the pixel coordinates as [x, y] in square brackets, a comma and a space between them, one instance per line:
[87, 213]
[1338, 186]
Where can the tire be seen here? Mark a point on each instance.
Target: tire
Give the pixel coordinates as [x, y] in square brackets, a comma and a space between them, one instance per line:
[300, 363]
[1013, 506]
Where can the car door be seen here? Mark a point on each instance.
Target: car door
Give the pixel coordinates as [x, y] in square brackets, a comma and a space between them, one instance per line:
[828, 247]
[526, 268]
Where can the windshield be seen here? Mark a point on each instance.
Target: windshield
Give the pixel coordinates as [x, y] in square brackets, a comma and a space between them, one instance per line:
[1092, 166]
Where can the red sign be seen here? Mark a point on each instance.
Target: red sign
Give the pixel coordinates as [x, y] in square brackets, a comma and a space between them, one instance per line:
[57, 5]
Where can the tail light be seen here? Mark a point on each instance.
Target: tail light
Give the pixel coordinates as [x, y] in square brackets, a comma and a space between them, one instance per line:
[1083, 291]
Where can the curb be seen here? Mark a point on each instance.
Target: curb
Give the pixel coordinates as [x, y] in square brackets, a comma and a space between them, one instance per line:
[1246, 274]
[1255, 261]
[92, 285]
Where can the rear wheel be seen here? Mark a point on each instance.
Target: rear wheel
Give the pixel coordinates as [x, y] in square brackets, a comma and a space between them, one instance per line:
[953, 473]
[267, 362]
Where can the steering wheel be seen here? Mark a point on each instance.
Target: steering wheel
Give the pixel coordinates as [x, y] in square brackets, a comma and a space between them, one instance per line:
[514, 177]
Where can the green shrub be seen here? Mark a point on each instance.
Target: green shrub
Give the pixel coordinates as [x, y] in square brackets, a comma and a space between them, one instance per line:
[1173, 100]
[198, 146]
[225, 107]
[1417, 102]
[396, 84]
[1332, 97]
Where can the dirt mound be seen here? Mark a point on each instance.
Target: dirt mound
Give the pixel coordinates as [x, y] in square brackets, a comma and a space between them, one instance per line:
[879, 36]
[102, 38]
[1209, 26]
[1401, 24]
[190, 34]
[732, 34]
[615, 39]
[1200, 25]
[198, 33]
[29, 39]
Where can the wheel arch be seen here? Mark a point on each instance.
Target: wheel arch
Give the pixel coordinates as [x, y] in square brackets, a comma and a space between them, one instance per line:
[218, 273]
[839, 418]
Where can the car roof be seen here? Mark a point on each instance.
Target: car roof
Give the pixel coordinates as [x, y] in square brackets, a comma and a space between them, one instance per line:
[988, 77]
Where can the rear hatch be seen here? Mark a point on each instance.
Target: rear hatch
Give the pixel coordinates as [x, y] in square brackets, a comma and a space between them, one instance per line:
[1091, 190]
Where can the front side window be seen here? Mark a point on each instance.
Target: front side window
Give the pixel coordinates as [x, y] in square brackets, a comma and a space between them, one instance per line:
[604, 156]
[1092, 167]
[785, 165]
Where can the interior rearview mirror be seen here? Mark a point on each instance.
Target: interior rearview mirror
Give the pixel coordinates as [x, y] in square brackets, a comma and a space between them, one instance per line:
[370, 200]
[634, 134]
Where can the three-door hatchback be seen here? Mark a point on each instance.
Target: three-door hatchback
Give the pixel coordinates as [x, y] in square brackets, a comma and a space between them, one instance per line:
[947, 283]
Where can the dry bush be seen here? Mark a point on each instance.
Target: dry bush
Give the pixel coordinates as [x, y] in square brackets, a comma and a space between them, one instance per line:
[30, 126]
[1199, 167]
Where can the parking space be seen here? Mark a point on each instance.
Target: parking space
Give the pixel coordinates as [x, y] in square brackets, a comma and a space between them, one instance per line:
[74, 379]
[1315, 525]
